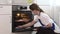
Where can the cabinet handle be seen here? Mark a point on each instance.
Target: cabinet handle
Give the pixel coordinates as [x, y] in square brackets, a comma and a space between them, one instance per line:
[1, 6]
[10, 18]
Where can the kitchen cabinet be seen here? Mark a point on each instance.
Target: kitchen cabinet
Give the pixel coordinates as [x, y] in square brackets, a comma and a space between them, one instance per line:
[5, 24]
[5, 9]
[5, 2]
[59, 19]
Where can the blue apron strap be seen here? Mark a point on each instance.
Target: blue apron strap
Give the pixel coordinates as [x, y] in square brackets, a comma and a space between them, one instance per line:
[41, 22]
[53, 26]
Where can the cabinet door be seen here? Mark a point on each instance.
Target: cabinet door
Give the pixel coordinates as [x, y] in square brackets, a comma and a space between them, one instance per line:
[59, 18]
[5, 9]
[5, 24]
[5, 1]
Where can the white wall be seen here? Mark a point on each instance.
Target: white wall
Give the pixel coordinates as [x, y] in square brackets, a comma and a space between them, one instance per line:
[22, 2]
[57, 14]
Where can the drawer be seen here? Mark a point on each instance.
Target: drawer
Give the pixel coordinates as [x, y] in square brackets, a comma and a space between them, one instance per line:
[5, 24]
[5, 9]
[6, 2]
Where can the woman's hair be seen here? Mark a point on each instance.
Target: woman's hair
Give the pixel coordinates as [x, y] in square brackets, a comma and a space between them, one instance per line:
[35, 7]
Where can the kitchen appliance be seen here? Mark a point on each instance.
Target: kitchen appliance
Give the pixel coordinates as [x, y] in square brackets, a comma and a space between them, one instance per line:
[21, 16]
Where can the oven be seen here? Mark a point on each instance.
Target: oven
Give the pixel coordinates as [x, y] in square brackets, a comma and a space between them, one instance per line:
[21, 16]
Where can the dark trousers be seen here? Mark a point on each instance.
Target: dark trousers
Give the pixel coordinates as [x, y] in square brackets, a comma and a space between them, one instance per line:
[45, 31]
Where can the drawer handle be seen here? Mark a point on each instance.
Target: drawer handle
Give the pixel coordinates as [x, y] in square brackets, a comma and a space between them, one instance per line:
[1, 6]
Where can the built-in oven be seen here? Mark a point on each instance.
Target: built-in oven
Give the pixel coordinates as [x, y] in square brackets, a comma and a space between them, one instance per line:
[21, 16]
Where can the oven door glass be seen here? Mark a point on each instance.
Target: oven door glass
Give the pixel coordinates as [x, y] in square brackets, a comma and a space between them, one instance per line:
[20, 18]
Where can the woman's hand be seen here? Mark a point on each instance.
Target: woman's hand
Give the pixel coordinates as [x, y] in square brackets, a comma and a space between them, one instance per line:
[19, 27]
[49, 25]
[19, 20]
[24, 20]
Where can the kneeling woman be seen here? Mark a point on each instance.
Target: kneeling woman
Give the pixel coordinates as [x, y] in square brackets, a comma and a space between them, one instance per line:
[48, 25]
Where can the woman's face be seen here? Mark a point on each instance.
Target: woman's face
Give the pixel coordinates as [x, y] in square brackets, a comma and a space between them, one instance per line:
[35, 12]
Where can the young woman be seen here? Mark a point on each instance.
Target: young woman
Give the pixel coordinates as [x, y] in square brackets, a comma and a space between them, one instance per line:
[48, 25]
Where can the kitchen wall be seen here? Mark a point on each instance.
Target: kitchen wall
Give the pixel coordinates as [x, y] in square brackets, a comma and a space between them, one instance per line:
[57, 15]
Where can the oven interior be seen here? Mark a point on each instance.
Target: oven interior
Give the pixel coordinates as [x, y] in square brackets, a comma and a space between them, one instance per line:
[20, 18]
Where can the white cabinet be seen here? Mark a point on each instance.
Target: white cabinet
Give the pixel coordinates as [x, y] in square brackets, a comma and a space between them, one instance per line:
[5, 24]
[59, 19]
[5, 9]
[5, 1]
[21, 2]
